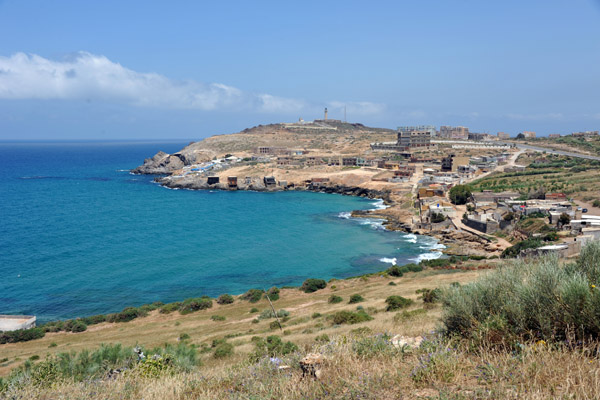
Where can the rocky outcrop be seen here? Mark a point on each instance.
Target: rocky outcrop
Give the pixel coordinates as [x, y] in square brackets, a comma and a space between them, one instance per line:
[165, 164]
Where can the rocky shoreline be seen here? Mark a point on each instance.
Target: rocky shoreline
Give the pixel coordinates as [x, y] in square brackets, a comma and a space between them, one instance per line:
[395, 217]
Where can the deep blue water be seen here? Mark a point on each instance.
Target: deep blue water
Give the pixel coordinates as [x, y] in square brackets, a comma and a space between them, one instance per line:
[79, 235]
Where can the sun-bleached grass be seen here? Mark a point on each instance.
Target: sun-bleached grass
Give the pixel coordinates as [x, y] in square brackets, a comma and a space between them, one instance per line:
[365, 367]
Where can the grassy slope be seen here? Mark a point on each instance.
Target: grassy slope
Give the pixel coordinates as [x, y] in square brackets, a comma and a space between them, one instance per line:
[157, 328]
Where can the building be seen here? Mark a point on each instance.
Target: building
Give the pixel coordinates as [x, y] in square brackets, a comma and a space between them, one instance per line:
[528, 134]
[554, 135]
[424, 128]
[16, 322]
[414, 138]
[556, 196]
[503, 135]
[477, 137]
[454, 132]
[585, 134]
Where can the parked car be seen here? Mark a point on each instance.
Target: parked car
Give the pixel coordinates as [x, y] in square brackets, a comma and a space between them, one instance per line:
[584, 210]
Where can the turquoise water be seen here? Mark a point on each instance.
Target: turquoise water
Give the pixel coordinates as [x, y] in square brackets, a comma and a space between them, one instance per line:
[79, 235]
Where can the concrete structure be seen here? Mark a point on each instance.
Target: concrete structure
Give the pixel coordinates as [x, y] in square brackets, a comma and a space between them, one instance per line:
[585, 134]
[503, 135]
[16, 322]
[454, 132]
[414, 137]
[554, 135]
[528, 134]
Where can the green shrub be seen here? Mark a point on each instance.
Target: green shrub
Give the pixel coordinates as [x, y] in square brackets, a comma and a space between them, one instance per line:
[437, 217]
[349, 317]
[169, 308]
[268, 313]
[94, 319]
[274, 325]
[217, 318]
[315, 315]
[355, 298]
[195, 304]
[394, 271]
[514, 251]
[253, 310]
[529, 300]
[333, 299]
[430, 295]
[397, 302]
[273, 293]
[223, 350]
[75, 325]
[407, 315]
[273, 346]
[322, 338]
[312, 285]
[225, 299]
[252, 295]
[392, 283]
[400, 271]
[128, 314]
[459, 194]
[21, 335]
[184, 336]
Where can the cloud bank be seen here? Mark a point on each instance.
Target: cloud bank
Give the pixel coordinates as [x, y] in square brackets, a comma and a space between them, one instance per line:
[86, 76]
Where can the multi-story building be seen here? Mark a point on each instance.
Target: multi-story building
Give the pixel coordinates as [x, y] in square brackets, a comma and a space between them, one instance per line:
[585, 134]
[454, 132]
[503, 135]
[415, 138]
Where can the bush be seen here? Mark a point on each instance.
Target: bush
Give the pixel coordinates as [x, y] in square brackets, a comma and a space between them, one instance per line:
[195, 304]
[315, 315]
[252, 295]
[392, 283]
[529, 301]
[400, 271]
[349, 317]
[75, 325]
[223, 350]
[273, 346]
[94, 319]
[322, 338]
[596, 203]
[273, 293]
[397, 302]
[430, 295]
[355, 298]
[217, 318]
[514, 251]
[333, 299]
[169, 308]
[274, 325]
[21, 335]
[312, 285]
[460, 194]
[394, 271]
[268, 313]
[253, 310]
[437, 218]
[225, 299]
[128, 314]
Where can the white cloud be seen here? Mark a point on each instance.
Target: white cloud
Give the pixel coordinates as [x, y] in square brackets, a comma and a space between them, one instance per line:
[87, 76]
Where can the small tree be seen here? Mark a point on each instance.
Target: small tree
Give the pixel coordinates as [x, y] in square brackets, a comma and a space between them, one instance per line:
[437, 217]
[564, 219]
[460, 194]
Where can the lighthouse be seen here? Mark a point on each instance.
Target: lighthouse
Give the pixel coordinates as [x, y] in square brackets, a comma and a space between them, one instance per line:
[325, 113]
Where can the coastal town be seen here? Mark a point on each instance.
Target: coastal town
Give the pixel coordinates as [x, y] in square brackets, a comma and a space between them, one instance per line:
[416, 170]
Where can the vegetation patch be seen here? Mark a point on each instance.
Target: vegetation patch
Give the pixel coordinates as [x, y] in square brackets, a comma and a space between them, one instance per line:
[312, 285]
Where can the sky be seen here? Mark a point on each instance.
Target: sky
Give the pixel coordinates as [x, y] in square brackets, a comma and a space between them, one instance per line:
[104, 70]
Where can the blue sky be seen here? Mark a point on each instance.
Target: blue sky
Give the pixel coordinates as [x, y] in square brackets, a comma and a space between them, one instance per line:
[167, 70]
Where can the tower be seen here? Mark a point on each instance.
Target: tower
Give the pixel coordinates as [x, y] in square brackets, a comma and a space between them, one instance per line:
[325, 113]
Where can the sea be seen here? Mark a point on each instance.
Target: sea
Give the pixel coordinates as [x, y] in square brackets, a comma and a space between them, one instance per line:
[80, 235]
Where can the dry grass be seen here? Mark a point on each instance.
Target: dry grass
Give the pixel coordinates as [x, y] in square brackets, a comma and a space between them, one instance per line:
[361, 366]
[434, 371]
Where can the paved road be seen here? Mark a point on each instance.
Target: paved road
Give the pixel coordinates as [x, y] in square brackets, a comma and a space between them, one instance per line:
[552, 151]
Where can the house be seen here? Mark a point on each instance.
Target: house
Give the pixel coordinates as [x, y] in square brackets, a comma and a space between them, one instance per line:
[556, 196]
[269, 181]
[212, 180]
[232, 181]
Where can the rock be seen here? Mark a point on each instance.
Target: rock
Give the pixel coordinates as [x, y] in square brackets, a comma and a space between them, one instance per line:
[311, 365]
[407, 341]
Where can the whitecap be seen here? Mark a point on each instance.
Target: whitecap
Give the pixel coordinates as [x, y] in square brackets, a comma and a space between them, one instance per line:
[431, 255]
[374, 223]
[345, 215]
[379, 205]
[389, 260]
